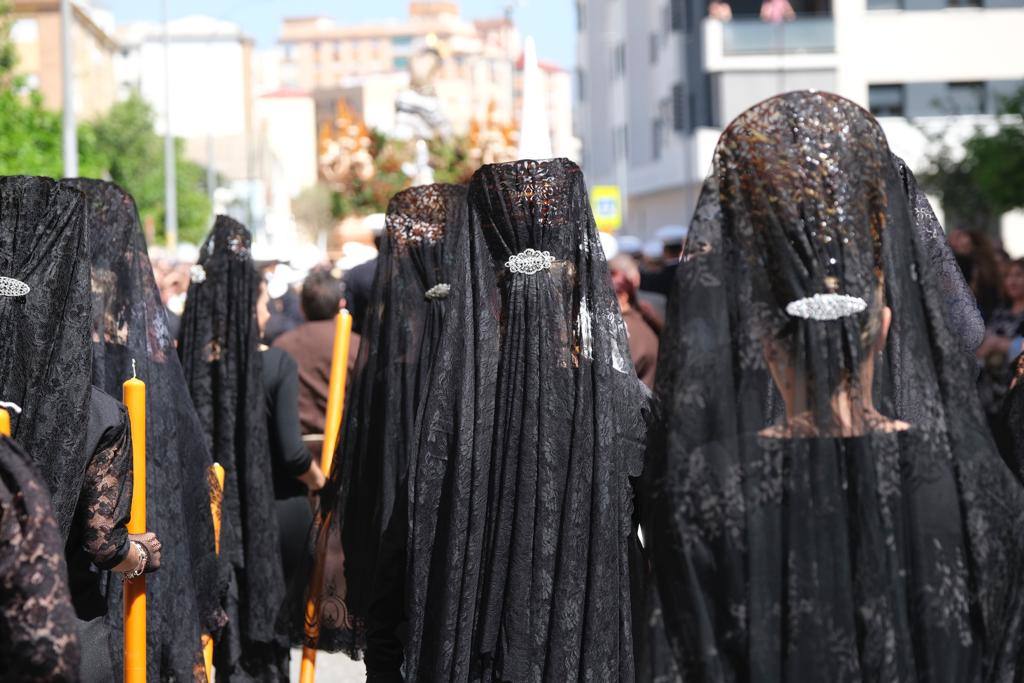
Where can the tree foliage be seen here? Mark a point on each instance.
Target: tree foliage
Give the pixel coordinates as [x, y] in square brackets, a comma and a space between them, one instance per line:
[135, 154]
[986, 179]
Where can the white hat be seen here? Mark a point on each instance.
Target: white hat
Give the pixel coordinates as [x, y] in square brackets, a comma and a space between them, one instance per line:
[374, 223]
[609, 244]
[672, 234]
[630, 244]
[653, 250]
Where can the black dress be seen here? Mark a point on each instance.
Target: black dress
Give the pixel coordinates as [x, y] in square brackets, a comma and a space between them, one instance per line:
[289, 457]
[825, 502]
[521, 504]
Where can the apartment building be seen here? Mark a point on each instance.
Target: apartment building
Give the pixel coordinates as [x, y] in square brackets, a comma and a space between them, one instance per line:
[658, 79]
[36, 35]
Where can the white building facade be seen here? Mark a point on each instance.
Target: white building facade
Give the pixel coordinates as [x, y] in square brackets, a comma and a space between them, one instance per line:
[658, 79]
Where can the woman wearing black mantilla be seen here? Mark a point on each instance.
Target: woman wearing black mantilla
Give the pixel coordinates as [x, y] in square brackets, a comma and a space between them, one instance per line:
[825, 501]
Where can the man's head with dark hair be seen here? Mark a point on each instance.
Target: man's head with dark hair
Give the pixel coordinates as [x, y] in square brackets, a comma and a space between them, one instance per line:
[322, 294]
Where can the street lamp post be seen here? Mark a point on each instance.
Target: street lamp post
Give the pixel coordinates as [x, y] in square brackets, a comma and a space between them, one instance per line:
[170, 175]
[69, 138]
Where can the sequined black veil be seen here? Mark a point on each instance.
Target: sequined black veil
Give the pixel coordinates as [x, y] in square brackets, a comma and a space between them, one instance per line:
[130, 324]
[45, 363]
[856, 524]
[219, 351]
[520, 516]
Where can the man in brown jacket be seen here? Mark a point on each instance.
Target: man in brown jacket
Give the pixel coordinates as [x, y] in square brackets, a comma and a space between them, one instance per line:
[311, 345]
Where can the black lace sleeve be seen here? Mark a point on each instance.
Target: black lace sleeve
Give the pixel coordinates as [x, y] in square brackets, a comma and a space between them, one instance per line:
[38, 637]
[106, 499]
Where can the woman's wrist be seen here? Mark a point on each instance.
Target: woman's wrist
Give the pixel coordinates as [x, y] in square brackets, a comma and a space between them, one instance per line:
[142, 557]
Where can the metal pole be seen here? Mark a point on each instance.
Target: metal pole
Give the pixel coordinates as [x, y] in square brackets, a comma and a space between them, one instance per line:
[170, 175]
[211, 175]
[69, 146]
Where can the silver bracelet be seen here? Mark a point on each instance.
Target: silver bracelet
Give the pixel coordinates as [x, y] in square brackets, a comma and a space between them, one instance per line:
[141, 567]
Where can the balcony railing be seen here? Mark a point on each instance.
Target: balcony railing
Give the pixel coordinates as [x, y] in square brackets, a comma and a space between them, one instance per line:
[803, 35]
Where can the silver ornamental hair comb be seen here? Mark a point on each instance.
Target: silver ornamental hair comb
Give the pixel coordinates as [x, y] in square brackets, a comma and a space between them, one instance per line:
[438, 291]
[11, 287]
[530, 261]
[826, 307]
[197, 274]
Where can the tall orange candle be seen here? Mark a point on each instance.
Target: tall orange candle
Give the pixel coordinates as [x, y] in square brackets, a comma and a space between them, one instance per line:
[134, 396]
[216, 499]
[335, 407]
[5, 417]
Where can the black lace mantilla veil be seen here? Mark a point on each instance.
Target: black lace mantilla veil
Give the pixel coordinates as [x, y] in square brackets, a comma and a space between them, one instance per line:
[401, 330]
[219, 353]
[521, 500]
[38, 629]
[130, 324]
[44, 334]
[826, 503]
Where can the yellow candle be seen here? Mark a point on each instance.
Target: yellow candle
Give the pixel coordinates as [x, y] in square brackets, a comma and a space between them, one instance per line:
[5, 422]
[336, 389]
[216, 498]
[335, 406]
[134, 396]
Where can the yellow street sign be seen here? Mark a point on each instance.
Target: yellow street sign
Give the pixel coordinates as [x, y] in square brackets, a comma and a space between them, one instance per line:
[606, 203]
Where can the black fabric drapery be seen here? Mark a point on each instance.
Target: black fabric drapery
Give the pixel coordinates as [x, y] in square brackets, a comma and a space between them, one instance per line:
[402, 325]
[130, 325]
[825, 502]
[45, 364]
[219, 353]
[520, 494]
[38, 638]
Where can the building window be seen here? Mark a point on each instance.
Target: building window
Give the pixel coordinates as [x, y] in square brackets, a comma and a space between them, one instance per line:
[885, 4]
[679, 107]
[886, 100]
[289, 51]
[655, 43]
[400, 63]
[657, 137]
[401, 41]
[967, 98]
[963, 3]
[677, 10]
[619, 60]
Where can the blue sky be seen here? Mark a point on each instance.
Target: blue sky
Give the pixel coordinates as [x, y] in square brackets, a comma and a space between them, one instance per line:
[550, 22]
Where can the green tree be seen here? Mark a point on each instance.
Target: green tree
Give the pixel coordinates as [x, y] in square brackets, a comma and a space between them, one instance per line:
[985, 179]
[126, 136]
[314, 210]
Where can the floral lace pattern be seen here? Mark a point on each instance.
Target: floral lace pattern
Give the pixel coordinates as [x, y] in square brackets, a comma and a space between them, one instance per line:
[219, 352]
[520, 497]
[40, 638]
[129, 327]
[824, 500]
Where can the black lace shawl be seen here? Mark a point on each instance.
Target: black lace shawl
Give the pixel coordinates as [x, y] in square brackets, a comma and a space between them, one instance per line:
[401, 329]
[848, 526]
[38, 629]
[219, 352]
[45, 365]
[521, 501]
[130, 324]
[962, 313]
